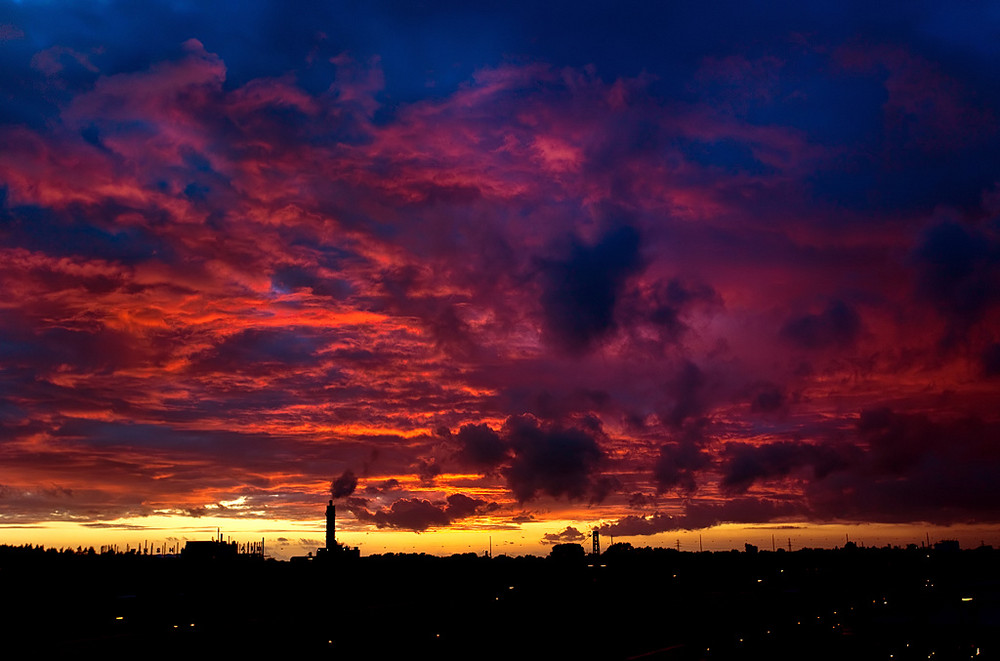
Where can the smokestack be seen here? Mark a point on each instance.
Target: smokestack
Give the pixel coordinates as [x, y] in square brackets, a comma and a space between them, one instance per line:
[331, 526]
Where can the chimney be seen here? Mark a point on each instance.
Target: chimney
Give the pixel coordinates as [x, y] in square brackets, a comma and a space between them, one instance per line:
[331, 526]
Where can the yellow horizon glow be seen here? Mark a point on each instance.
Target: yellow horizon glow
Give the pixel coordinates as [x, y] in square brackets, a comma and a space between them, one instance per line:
[286, 538]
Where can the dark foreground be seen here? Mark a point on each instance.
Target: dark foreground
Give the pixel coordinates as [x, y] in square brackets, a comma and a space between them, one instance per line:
[630, 604]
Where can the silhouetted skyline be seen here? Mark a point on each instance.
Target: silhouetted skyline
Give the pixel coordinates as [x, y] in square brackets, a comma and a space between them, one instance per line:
[623, 603]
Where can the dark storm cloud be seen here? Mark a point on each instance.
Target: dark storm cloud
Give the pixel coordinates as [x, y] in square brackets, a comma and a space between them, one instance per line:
[579, 293]
[643, 525]
[255, 350]
[568, 536]
[896, 443]
[895, 468]
[391, 484]
[685, 455]
[916, 470]
[344, 485]
[91, 347]
[959, 273]
[56, 503]
[480, 447]
[85, 228]
[672, 299]
[559, 405]
[539, 458]
[767, 398]
[837, 326]
[418, 514]
[405, 290]
[664, 307]
[687, 391]
[639, 500]
[898, 467]
[461, 506]
[428, 469]
[604, 486]
[745, 464]
[550, 460]
[990, 359]
[678, 464]
[296, 278]
[415, 514]
[703, 514]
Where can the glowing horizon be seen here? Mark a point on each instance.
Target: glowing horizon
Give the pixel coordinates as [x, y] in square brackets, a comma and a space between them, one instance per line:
[285, 539]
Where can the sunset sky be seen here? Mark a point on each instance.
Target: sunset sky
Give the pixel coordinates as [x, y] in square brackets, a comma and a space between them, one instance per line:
[495, 269]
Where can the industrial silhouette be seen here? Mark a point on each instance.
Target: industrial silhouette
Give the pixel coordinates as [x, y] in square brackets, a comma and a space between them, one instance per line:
[334, 549]
[221, 597]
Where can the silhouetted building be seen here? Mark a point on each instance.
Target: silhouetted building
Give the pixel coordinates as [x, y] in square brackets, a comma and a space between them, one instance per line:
[333, 548]
[331, 525]
[211, 550]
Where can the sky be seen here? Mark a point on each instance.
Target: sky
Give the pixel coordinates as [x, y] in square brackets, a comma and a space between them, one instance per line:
[506, 271]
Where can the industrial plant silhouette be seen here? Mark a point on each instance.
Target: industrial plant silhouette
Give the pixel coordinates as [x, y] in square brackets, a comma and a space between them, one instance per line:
[222, 597]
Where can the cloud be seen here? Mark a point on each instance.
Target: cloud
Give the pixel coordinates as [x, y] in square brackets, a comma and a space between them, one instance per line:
[896, 443]
[990, 359]
[746, 464]
[59, 503]
[897, 467]
[415, 514]
[580, 291]
[958, 271]
[480, 447]
[639, 500]
[551, 460]
[538, 458]
[391, 484]
[568, 536]
[261, 349]
[461, 506]
[642, 525]
[678, 463]
[9, 32]
[51, 60]
[418, 514]
[704, 514]
[687, 393]
[344, 485]
[836, 327]
[661, 308]
[284, 252]
[767, 398]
